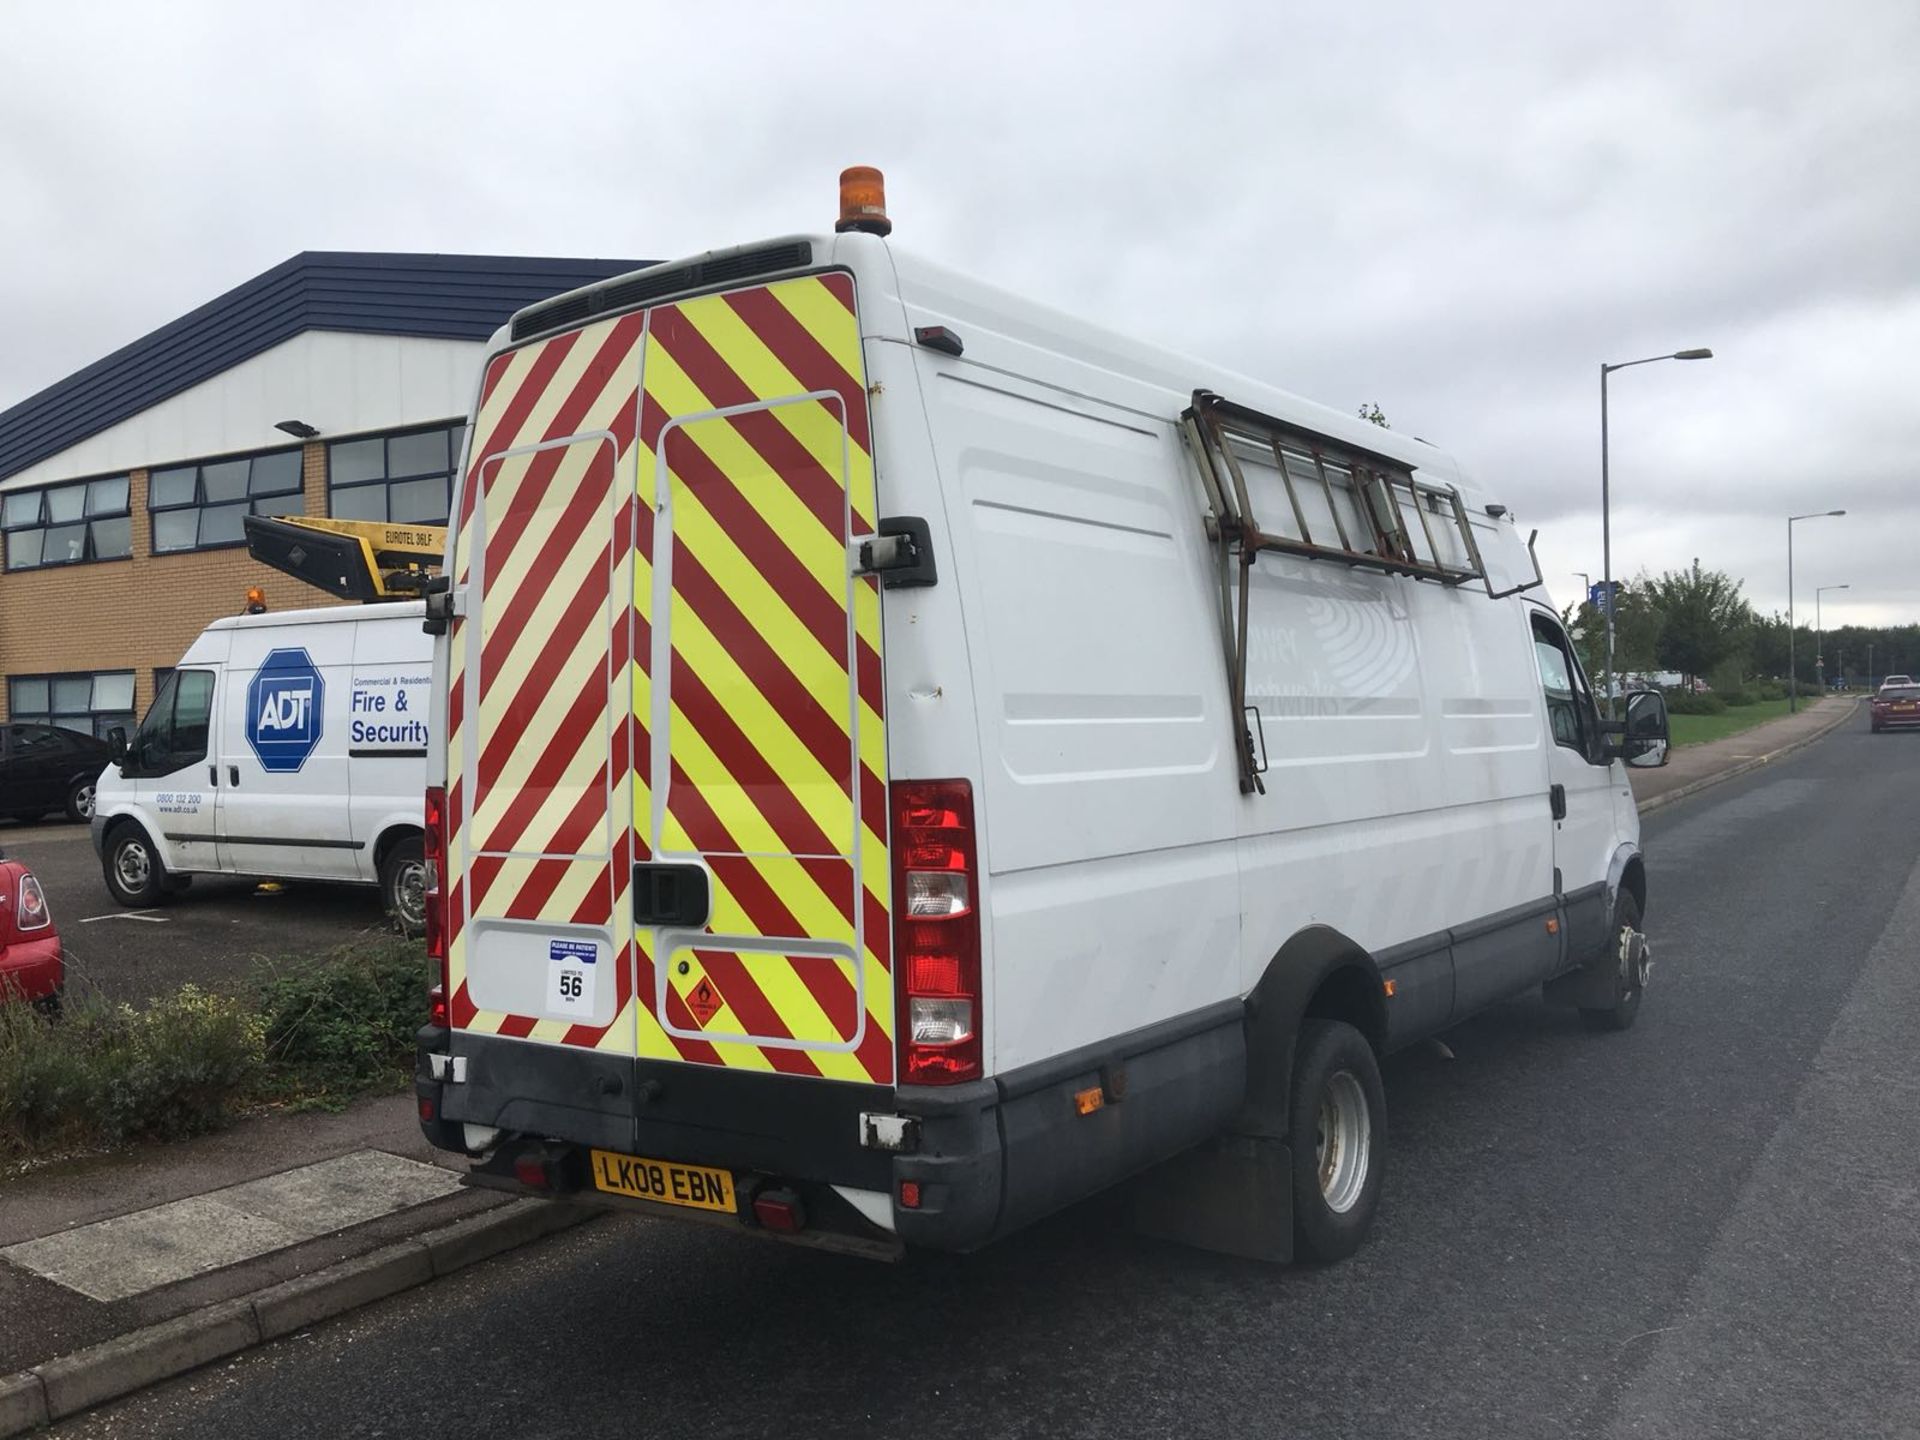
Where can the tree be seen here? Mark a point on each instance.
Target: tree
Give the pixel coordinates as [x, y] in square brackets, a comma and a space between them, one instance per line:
[1703, 619]
[1636, 633]
[1374, 415]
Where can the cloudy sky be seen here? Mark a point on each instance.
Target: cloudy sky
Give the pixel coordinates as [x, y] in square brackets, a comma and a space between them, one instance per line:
[1455, 211]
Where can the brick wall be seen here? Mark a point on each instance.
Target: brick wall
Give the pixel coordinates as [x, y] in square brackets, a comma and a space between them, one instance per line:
[141, 613]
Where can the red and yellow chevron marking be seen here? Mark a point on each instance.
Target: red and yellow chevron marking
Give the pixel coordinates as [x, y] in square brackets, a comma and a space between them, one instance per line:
[775, 722]
[773, 712]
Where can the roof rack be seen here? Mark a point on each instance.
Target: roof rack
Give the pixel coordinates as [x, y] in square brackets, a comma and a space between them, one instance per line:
[1372, 510]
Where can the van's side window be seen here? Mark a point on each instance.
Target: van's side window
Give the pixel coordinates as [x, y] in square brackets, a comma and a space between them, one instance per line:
[174, 731]
[1570, 710]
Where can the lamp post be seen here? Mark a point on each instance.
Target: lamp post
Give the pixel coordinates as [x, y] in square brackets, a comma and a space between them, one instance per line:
[1606, 504]
[1819, 634]
[1793, 679]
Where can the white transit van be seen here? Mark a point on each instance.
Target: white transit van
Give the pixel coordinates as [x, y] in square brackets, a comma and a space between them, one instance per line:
[905, 760]
[286, 746]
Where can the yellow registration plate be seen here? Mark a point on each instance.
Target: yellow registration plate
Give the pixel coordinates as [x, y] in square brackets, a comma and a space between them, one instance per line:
[665, 1181]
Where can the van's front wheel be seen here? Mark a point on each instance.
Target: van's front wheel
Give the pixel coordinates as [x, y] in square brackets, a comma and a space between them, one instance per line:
[134, 873]
[403, 885]
[1629, 962]
[1338, 1132]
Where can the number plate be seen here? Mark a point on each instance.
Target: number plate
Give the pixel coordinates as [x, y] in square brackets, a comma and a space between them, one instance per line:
[698, 1187]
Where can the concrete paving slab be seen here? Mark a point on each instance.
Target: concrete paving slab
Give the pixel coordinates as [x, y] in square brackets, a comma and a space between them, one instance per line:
[333, 1194]
[113, 1259]
[130, 1254]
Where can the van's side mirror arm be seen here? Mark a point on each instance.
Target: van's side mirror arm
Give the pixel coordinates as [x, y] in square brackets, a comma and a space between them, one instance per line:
[117, 745]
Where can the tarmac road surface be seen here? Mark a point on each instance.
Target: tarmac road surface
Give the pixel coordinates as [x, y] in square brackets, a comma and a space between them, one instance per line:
[1707, 1226]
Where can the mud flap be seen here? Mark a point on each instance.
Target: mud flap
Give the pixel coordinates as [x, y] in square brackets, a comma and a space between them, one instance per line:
[1232, 1195]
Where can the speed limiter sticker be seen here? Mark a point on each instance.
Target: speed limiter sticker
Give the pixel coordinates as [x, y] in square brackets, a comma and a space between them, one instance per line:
[571, 969]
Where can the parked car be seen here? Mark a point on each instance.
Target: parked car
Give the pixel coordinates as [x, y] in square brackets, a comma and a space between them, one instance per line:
[1896, 706]
[44, 768]
[31, 964]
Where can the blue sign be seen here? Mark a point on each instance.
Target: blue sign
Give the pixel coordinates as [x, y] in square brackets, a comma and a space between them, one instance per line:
[286, 709]
[1597, 593]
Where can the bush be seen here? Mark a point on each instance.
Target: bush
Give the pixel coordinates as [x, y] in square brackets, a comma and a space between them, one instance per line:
[1684, 702]
[102, 1074]
[1768, 690]
[343, 1024]
[1733, 695]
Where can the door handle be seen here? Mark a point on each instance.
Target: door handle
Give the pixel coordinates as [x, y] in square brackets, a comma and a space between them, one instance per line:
[668, 894]
[233, 775]
[213, 775]
[1558, 797]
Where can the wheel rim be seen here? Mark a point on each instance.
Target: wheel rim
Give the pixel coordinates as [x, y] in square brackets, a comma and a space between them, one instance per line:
[83, 801]
[1342, 1141]
[1636, 963]
[133, 865]
[410, 894]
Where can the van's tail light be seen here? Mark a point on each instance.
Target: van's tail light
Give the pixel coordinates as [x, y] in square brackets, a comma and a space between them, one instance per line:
[31, 911]
[936, 931]
[435, 845]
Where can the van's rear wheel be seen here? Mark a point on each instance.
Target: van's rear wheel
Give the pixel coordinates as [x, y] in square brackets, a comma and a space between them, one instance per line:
[403, 884]
[1337, 1128]
[134, 873]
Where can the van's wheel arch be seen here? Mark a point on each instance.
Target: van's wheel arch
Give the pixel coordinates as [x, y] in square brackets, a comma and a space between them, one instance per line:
[1316, 1023]
[136, 876]
[402, 862]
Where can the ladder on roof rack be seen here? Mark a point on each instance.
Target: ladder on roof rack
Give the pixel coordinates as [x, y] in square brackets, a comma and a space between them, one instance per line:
[1361, 498]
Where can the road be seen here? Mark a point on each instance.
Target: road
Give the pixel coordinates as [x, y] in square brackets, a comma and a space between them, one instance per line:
[1707, 1226]
[212, 935]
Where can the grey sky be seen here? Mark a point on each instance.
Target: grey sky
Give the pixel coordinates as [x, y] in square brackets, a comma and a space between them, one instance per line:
[1456, 211]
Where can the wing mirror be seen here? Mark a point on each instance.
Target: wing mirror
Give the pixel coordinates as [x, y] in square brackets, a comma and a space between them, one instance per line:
[1649, 732]
[117, 744]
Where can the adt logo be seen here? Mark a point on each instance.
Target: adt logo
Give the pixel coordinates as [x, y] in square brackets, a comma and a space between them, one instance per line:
[286, 700]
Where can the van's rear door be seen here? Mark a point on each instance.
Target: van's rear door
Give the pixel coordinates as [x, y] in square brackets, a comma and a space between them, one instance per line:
[757, 696]
[666, 660]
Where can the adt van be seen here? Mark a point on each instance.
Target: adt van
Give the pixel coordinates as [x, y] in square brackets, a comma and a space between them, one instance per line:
[290, 746]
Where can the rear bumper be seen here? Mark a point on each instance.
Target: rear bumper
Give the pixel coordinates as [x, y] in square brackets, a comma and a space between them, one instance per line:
[32, 969]
[1908, 720]
[987, 1158]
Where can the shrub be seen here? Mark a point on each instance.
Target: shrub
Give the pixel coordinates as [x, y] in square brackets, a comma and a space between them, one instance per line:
[343, 1023]
[1768, 690]
[102, 1074]
[1683, 702]
[1734, 695]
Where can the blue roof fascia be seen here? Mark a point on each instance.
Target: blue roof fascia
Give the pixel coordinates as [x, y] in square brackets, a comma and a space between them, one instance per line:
[450, 297]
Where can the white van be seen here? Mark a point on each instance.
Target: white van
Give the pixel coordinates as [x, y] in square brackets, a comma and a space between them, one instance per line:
[905, 760]
[287, 746]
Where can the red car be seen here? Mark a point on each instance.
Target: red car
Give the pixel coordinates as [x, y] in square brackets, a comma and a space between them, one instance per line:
[1896, 705]
[31, 965]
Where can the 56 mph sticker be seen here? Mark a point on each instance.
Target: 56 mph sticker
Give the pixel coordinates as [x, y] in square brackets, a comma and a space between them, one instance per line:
[571, 969]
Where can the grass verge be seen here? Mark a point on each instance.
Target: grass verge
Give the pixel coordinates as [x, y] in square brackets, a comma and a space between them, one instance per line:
[1698, 729]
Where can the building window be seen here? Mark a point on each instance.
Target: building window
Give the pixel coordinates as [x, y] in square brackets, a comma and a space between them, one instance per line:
[67, 524]
[90, 702]
[407, 479]
[202, 507]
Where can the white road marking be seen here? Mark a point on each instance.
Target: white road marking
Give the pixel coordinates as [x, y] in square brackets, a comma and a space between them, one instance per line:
[145, 915]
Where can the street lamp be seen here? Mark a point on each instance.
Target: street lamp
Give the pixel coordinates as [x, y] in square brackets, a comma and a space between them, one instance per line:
[1793, 679]
[1819, 634]
[1606, 511]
